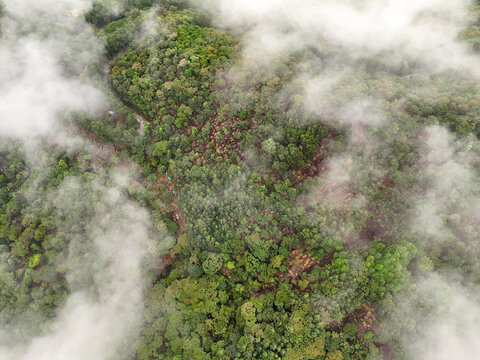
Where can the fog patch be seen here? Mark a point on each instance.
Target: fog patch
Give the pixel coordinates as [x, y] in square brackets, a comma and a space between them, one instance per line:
[337, 47]
[452, 195]
[442, 322]
[43, 55]
[424, 29]
[47, 52]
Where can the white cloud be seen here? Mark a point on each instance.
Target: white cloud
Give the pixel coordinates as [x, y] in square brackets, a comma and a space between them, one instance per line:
[108, 234]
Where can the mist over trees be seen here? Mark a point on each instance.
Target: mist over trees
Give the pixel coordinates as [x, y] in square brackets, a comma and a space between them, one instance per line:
[239, 179]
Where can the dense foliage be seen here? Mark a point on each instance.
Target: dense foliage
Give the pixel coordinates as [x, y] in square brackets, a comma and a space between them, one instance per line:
[270, 260]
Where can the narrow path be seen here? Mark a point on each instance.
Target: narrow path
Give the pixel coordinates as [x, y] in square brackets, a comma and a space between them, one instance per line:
[138, 116]
[141, 121]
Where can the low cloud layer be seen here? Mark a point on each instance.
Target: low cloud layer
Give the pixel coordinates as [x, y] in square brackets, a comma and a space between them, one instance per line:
[37, 90]
[442, 322]
[339, 35]
[35, 95]
[426, 30]
[46, 49]
[349, 42]
[453, 195]
[105, 270]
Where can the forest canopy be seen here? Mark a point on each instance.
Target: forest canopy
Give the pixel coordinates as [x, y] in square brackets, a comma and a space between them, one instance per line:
[236, 180]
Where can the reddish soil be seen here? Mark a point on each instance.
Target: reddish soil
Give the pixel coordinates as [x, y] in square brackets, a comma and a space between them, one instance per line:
[221, 139]
[173, 207]
[365, 318]
[300, 263]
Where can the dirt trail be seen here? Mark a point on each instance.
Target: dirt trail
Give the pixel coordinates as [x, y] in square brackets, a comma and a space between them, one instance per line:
[138, 116]
[141, 121]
